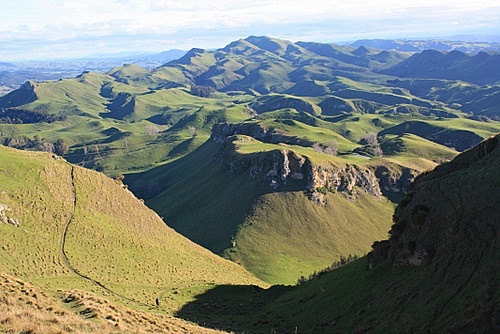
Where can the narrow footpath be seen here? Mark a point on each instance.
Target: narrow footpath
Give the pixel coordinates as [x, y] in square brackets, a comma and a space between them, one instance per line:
[63, 243]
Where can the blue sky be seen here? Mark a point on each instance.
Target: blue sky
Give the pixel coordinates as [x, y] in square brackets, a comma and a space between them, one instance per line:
[36, 29]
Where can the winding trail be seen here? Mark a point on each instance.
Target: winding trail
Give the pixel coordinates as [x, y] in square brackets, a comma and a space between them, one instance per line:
[63, 243]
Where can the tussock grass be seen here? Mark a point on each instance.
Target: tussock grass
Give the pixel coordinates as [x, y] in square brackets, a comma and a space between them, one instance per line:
[25, 308]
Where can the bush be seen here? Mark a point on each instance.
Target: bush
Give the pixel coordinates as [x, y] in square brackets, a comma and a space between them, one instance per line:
[340, 263]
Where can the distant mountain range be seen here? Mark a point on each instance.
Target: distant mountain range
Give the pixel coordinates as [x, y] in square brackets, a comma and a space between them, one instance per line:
[482, 68]
[413, 45]
[13, 74]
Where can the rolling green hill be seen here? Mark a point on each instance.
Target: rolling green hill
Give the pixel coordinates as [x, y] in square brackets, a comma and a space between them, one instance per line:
[282, 157]
[209, 141]
[335, 84]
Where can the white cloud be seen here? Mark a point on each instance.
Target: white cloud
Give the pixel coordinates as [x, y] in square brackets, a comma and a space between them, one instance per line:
[218, 20]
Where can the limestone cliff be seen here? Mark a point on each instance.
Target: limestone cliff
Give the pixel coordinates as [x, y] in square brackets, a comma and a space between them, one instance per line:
[285, 168]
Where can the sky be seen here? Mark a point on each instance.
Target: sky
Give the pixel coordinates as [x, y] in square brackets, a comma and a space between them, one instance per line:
[43, 29]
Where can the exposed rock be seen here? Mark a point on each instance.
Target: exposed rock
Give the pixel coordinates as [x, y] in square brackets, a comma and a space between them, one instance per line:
[350, 180]
[4, 218]
[284, 167]
[282, 102]
[395, 180]
[276, 168]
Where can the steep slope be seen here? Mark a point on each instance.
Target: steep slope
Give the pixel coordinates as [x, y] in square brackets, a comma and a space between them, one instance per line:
[438, 272]
[63, 227]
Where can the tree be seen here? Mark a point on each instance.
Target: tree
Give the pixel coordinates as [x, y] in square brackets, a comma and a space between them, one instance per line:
[60, 147]
[370, 139]
[45, 146]
[331, 147]
[317, 148]
[377, 151]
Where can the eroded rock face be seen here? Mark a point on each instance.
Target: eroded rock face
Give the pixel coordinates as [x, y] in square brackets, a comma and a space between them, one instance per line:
[279, 168]
[266, 135]
[350, 180]
[276, 168]
[282, 103]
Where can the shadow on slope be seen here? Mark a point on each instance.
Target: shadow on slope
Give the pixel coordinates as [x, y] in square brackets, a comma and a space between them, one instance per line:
[437, 273]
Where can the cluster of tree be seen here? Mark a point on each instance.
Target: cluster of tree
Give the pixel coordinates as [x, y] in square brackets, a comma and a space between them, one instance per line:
[20, 116]
[58, 147]
[201, 91]
[330, 148]
[371, 144]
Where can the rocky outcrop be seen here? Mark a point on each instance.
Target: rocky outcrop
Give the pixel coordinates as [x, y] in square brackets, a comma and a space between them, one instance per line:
[275, 168]
[3, 216]
[284, 168]
[282, 102]
[350, 180]
[395, 180]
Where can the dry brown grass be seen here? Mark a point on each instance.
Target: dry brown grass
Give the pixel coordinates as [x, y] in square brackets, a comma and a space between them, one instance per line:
[25, 308]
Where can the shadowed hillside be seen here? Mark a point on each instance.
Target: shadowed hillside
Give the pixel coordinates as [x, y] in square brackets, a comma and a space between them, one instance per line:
[438, 272]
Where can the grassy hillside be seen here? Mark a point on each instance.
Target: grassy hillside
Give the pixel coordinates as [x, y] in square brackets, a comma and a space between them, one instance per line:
[322, 105]
[284, 157]
[278, 234]
[132, 119]
[78, 229]
[287, 236]
[436, 273]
